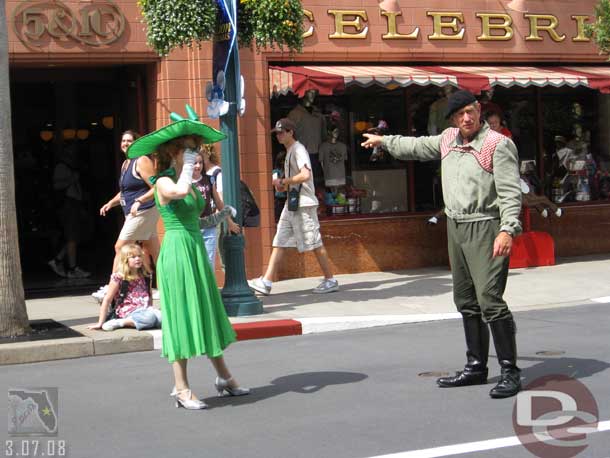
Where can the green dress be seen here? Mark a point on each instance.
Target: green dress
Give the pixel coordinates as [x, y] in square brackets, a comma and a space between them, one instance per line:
[194, 317]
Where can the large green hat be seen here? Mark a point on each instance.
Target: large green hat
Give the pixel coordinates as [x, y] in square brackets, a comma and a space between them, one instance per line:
[179, 127]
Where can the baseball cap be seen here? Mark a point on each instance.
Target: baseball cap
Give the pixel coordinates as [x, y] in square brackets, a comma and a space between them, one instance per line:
[284, 124]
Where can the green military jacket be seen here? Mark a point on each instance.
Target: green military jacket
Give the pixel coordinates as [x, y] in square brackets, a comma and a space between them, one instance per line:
[480, 178]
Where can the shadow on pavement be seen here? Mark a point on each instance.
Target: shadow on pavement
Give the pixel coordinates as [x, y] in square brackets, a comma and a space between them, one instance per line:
[577, 368]
[305, 383]
[408, 285]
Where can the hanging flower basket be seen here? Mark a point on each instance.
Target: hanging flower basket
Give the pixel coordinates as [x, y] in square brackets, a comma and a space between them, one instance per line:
[271, 23]
[264, 23]
[600, 29]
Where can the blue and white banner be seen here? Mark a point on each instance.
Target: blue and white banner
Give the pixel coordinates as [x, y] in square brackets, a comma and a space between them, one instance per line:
[225, 43]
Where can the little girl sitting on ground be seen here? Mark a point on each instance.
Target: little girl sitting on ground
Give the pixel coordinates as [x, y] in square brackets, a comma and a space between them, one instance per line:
[130, 288]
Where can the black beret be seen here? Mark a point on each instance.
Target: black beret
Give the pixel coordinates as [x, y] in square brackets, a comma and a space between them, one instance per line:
[459, 100]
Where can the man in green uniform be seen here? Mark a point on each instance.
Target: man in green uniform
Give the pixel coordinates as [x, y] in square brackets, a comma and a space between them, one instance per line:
[480, 176]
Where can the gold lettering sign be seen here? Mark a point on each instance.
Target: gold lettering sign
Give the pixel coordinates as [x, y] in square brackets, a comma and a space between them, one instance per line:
[341, 23]
[494, 26]
[536, 26]
[487, 26]
[309, 15]
[392, 29]
[438, 24]
[95, 24]
[580, 27]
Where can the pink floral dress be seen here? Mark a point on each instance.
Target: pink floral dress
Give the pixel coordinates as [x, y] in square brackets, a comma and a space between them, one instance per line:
[137, 295]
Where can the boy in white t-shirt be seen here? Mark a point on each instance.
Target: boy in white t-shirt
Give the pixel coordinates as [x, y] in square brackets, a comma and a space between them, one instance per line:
[299, 228]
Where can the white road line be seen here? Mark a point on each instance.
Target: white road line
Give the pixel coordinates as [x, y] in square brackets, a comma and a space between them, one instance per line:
[471, 447]
[603, 300]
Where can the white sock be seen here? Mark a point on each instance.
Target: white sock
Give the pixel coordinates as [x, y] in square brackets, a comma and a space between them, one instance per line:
[267, 282]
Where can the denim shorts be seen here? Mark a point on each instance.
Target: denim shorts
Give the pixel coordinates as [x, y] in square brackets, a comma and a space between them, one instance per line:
[146, 318]
[209, 235]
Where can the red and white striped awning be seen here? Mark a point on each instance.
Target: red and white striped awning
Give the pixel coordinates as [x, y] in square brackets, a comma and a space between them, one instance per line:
[328, 79]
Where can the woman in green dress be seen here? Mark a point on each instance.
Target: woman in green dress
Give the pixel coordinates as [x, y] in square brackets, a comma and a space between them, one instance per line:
[194, 318]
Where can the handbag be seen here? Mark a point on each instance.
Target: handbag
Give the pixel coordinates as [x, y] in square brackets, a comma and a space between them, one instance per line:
[293, 198]
[293, 195]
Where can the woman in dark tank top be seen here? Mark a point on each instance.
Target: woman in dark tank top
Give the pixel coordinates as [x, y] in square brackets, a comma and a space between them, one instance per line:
[136, 198]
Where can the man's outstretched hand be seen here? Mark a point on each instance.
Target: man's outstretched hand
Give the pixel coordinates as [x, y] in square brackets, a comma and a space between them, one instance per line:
[371, 141]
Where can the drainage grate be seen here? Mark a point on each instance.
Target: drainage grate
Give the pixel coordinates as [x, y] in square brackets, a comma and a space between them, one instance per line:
[433, 374]
[44, 330]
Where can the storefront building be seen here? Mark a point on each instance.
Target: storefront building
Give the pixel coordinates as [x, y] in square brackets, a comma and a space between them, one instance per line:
[81, 73]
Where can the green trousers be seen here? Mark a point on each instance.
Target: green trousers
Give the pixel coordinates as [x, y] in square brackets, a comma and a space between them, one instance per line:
[479, 279]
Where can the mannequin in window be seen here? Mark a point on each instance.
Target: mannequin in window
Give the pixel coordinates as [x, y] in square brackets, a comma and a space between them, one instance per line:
[311, 128]
[332, 155]
[437, 121]
[578, 143]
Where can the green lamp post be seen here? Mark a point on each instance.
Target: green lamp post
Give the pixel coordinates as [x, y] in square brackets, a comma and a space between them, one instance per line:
[238, 298]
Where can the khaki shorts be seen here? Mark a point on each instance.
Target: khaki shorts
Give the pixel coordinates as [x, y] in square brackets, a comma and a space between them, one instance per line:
[300, 229]
[142, 226]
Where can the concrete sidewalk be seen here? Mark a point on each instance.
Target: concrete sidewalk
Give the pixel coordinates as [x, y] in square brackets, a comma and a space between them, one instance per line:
[364, 300]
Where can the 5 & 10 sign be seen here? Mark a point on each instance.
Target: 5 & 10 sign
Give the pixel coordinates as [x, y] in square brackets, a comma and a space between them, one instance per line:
[95, 24]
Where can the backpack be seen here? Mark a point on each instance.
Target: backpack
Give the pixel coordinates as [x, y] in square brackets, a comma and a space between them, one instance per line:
[120, 297]
[213, 179]
[251, 215]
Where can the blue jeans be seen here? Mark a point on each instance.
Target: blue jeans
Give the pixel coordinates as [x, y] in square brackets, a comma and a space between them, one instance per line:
[209, 235]
[145, 318]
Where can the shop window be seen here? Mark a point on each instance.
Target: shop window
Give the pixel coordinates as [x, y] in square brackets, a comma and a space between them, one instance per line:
[349, 179]
[562, 137]
[572, 163]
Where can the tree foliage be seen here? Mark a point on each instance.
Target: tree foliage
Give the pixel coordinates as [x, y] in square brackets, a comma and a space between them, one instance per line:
[262, 23]
[600, 29]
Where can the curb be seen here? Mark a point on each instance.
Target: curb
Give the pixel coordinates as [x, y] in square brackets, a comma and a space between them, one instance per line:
[281, 328]
[95, 343]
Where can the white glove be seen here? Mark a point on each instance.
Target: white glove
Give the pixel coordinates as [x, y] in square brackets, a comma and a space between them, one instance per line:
[186, 176]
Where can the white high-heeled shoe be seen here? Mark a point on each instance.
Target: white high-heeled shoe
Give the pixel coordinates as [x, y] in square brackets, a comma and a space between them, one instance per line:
[188, 403]
[222, 385]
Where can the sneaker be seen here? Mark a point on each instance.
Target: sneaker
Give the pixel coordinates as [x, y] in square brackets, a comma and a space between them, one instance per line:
[57, 267]
[155, 294]
[558, 212]
[544, 213]
[327, 286]
[111, 325]
[77, 272]
[259, 286]
[100, 293]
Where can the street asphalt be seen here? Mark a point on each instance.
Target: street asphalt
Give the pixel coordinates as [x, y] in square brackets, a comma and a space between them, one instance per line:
[364, 300]
[361, 393]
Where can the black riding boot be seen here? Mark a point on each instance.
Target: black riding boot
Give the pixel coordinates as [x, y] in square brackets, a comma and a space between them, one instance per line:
[477, 344]
[503, 332]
